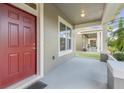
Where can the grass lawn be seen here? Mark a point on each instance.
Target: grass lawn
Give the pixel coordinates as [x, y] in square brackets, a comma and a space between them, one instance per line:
[88, 55]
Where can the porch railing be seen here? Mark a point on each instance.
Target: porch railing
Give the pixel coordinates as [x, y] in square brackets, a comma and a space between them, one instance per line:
[110, 57]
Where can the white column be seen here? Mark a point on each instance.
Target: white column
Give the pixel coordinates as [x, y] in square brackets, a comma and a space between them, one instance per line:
[74, 40]
[83, 41]
[98, 42]
[104, 40]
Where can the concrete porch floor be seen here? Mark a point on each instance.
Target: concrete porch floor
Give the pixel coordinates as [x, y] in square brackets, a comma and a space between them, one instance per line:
[78, 73]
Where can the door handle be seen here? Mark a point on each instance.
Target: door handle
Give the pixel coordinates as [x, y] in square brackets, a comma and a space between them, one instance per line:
[33, 48]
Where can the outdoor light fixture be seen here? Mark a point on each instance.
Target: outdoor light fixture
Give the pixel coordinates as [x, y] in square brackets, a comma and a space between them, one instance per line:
[83, 13]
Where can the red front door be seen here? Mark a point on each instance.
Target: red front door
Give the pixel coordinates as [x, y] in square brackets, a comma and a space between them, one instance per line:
[17, 45]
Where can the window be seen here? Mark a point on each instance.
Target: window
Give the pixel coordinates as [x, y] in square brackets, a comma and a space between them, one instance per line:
[93, 43]
[68, 38]
[62, 37]
[65, 37]
[32, 5]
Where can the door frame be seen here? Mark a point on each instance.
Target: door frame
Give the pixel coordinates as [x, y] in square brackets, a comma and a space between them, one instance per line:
[39, 14]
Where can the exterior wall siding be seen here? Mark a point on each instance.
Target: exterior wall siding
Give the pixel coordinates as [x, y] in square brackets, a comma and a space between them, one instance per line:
[51, 54]
[79, 42]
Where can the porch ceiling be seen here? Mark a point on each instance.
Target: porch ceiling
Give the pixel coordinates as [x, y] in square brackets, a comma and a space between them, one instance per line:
[94, 11]
[92, 35]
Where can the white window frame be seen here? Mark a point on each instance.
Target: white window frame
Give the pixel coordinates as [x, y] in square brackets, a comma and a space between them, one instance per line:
[64, 52]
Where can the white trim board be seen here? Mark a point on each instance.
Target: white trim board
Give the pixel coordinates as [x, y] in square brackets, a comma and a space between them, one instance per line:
[60, 19]
[62, 53]
[41, 38]
[26, 8]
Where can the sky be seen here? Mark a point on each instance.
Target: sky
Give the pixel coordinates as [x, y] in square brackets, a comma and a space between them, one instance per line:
[121, 14]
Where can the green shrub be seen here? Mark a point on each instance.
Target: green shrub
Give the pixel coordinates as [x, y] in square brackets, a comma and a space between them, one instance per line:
[119, 56]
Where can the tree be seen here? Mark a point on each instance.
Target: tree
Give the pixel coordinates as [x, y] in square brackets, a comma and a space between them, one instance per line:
[117, 37]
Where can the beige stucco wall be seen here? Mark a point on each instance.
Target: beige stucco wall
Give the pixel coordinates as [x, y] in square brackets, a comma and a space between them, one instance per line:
[51, 14]
[79, 42]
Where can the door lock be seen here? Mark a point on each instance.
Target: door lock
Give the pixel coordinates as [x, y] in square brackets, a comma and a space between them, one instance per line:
[33, 48]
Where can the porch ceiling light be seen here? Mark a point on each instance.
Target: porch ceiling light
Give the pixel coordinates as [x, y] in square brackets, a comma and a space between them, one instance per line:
[83, 13]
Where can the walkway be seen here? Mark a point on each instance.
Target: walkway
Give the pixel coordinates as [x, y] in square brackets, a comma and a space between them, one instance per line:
[78, 73]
